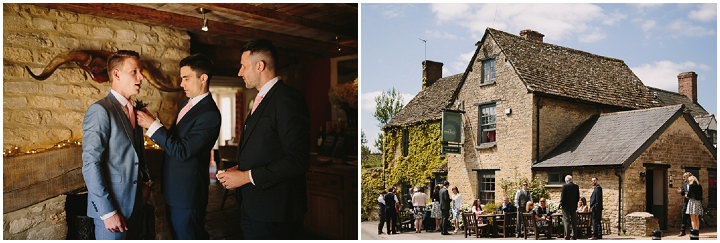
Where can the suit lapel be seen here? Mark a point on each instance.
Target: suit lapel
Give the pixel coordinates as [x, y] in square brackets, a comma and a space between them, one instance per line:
[124, 120]
[252, 120]
[194, 110]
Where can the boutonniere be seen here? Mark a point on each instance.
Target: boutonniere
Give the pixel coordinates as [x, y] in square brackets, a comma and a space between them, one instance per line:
[139, 105]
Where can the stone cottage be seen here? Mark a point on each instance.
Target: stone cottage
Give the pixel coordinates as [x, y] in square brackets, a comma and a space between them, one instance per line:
[538, 110]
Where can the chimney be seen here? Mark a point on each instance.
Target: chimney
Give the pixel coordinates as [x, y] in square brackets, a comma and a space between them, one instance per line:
[532, 35]
[432, 71]
[687, 85]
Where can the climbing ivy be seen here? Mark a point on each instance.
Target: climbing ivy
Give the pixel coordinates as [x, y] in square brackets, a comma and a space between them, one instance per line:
[415, 169]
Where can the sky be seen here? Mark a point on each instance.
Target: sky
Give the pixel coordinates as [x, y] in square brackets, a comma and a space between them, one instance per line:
[657, 42]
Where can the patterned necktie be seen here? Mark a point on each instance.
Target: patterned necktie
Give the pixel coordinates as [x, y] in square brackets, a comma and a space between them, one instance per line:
[130, 113]
[184, 111]
[258, 98]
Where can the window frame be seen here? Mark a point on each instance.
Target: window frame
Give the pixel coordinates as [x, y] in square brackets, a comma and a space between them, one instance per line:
[405, 142]
[481, 129]
[560, 176]
[482, 193]
[484, 78]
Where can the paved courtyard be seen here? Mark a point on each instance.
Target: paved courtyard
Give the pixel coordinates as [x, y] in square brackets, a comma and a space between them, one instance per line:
[369, 232]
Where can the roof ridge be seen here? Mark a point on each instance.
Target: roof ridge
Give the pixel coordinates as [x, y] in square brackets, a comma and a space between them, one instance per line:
[559, 46]
[668, 107]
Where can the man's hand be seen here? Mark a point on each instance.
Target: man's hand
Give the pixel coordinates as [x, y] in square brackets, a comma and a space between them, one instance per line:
[115, 223]
[234, 178]
[144, 118]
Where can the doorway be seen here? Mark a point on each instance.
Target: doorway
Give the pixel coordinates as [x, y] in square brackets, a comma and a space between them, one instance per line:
[656, 194]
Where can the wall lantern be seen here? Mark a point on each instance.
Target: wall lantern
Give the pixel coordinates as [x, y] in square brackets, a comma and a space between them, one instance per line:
[642, 176]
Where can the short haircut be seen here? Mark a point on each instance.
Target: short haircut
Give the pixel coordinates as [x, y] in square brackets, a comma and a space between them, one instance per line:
[263, 46]
[391, 189]
[568, 178]
[446, 183]
[199, 63]
[118, 58]
[594, 178]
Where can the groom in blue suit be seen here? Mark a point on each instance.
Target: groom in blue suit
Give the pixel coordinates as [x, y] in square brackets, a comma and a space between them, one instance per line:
[187, 146]
[113, 163]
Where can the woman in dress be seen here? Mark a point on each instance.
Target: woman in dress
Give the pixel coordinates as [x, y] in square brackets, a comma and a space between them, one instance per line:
[694, 207]
[583, 206]
[419, 199]
[477, 209]
[456, 207]
[435, 213]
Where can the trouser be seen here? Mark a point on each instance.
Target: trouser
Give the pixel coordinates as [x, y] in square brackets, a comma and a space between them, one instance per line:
[187, 223]
[445, 221]
[134, 224]
[258, 230]
[391, 220]
[381, 216]
[519, 221]
[684, 218]
[570, 220]
[597, 225]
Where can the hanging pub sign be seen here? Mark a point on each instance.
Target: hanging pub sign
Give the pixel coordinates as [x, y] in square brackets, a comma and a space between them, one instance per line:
[451, 131]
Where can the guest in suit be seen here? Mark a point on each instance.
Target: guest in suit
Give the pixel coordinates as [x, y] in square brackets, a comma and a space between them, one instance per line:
[522, 196]
[569, 197]
[683, 190]
[381, 211]
[596, 207]
[391, 211]
[114, 168]
[187, 146]
[445, 208]
[273, 153]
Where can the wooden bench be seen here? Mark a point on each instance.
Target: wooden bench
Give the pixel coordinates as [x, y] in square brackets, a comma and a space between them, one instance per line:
[531, 226]
[584, 224]
[506, 224]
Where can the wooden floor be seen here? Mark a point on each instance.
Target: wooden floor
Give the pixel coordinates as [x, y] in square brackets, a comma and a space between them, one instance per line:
[222, 224]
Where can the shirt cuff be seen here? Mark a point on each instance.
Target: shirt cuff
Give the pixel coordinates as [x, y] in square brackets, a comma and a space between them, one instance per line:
[250, 175]
[108, 215]
[153, 128]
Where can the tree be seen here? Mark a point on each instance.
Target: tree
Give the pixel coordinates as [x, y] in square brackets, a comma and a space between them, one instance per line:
[387, 105]
[364, 150]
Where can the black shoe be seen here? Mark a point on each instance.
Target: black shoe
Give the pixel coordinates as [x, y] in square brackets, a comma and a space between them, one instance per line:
[380, 232]
[682, 233]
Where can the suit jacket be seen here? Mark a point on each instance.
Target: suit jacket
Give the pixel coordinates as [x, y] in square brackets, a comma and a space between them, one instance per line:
[275, 147]
[113, 159]
[596, 200]
[569, 197]
[684, 191]
[444, 199]
[187, 148]
[522, 196]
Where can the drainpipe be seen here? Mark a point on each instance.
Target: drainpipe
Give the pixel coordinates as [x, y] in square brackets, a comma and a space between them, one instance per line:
[537, 129]
[617, 173]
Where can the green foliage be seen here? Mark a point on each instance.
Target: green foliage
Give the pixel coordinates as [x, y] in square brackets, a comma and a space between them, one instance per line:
[423, 154]
[387, 105]
[535, 186]
[364, 150]
[372, 185]
[371, 161]
[490, 207]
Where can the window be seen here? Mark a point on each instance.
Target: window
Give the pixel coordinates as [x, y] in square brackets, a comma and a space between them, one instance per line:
[557, 177]
[487, 124]
[405, 142]
[712, 135]
[488, 75]
[486, 186]
[712, 188]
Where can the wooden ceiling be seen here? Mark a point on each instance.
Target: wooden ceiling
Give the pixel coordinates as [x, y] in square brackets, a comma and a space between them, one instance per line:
[309, 28]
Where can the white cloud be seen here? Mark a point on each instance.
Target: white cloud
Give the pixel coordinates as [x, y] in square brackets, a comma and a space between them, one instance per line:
[682, 28]
[647, 25]
[663, 74]
[642, 7]
[460, 64]
[614, 17]
[393, 10]
[368, 100]
[440, 35]
[705, 12]
[556, 21]
[593, 36]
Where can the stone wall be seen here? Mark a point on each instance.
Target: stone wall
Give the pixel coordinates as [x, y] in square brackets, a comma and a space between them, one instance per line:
[39, 114]
[512, 151]
[640, 224]
[42, 221]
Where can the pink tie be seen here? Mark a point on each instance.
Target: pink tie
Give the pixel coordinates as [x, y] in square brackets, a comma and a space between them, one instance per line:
[184, 111]
[258, 98]
[131, 114]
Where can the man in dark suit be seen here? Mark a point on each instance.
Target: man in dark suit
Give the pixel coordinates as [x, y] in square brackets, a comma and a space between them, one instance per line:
[187, 146]
[113, 158]
[273, 151]
[445, 208]
[596, 207]
[683, 190]
[569, 198]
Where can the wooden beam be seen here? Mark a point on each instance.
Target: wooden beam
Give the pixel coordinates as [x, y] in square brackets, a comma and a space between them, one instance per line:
[269, 15]
[187, 23]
